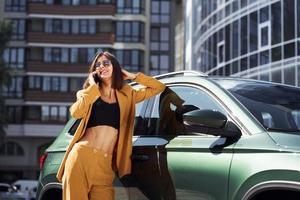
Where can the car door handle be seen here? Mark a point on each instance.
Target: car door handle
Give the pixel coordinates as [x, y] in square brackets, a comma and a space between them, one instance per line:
[140, 157]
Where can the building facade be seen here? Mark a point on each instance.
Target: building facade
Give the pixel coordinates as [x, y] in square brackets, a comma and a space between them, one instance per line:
[51, 48]
[257, 39]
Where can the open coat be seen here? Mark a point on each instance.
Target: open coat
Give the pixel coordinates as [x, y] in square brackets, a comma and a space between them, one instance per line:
[127, 98]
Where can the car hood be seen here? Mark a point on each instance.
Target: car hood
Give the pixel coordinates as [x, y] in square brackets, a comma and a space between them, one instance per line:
[286, 139]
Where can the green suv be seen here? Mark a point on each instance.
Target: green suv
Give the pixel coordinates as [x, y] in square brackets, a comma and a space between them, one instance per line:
[204, 138]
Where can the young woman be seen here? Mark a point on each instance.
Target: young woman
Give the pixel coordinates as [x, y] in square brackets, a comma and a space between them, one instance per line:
[102, 143]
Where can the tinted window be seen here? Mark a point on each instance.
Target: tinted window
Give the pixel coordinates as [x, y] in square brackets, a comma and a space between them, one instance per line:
[74, 127]
[168, 109]
[277, 107]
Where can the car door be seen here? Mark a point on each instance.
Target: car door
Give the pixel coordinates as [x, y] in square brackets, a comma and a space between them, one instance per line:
[172, 161]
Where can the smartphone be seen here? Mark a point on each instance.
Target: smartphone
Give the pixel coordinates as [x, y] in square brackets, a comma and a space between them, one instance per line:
[97, 79]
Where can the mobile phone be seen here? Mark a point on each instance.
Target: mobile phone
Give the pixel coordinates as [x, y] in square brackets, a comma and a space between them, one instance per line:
[96, 78]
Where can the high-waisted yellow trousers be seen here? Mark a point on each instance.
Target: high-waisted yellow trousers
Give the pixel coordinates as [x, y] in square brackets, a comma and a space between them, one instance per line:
[88, 174]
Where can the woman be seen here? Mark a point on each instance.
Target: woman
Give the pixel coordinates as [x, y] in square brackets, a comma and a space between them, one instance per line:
[102, 143]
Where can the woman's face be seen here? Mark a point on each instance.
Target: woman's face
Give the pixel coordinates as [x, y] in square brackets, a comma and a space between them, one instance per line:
[104, 67]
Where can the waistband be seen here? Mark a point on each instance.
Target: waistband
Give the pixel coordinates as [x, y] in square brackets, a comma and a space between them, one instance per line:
[93, 149]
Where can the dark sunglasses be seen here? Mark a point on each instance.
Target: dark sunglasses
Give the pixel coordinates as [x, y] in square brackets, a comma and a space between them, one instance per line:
[105, 63]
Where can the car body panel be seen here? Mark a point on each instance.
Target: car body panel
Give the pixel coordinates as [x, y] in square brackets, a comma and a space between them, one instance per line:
[269, 162]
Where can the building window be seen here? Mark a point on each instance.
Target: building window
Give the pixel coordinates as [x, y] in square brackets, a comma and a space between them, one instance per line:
[160, 11]
[55, 84]
[11, 149]
[289, 50]
[289, 19]
[221, 52]
[264, 35]
[14, 89]
[77, 2]
[18, 29]
[76, 84]
[56, 55]
[160, 38]
[131, 6]
[130, 31]
[34, 82]
[159, 64]
[54, 113]
[14, 114]
[132, 60]
[14, 57]
[82, 26]
[253, 31]
[276, 23]
[32, 114]
[15, 5]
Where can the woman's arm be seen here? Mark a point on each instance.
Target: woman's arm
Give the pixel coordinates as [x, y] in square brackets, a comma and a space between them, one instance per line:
[153, 87]
[85, 98]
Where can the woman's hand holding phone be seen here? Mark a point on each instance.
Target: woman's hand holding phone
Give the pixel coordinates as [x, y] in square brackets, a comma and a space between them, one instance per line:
[92, 78]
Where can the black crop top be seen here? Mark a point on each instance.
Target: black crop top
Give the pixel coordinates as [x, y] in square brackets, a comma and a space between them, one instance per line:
[104, 113]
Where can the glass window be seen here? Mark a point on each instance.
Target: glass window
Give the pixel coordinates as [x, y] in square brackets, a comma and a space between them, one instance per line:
[276, 54]
[253, 61]
[62, 113]
[264, 32]
[64, 55]
[74, 55]
[63, 84]
[253, 31]
[46, 83]
[244, 35]
[18, 29]
[298, 18]
[244, 64]
[276, 22]
[289, 50]
[167, 115]
[290, 75]
[45, 113]
[235, 43]
[264, 14]
[221, 52]
[271, 104]
[15, 5]
[57, 26]
[65, 26]
[130, 31]
[276, 76]
[264, 57]
[11, 149]
[75, 26]
[289, 19]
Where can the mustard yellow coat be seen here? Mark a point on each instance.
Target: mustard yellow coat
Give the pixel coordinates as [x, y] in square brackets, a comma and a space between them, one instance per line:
[127, 98]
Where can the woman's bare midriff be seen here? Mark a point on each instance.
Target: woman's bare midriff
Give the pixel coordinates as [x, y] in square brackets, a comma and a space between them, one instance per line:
[101, 137]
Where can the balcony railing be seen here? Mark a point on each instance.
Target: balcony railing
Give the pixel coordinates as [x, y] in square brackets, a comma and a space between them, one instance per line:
[40, 66]
[102, 9]
[99, 38]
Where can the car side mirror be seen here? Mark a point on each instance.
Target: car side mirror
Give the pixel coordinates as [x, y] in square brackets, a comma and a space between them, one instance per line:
[206, 118]
[215, 122]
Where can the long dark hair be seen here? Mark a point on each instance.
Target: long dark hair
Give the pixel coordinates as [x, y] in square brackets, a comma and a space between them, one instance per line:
[117, 78]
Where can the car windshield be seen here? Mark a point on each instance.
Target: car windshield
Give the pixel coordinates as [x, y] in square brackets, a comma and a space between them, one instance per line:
[275, 106]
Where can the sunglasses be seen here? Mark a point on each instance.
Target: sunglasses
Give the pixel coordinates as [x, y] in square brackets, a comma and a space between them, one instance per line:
[105, 63]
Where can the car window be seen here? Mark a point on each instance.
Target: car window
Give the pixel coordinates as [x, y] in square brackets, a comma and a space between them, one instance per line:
[140, 124]
[275, 106]
[74, 127]
[168, 109]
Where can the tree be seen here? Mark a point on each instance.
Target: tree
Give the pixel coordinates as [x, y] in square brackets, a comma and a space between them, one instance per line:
[5, 33]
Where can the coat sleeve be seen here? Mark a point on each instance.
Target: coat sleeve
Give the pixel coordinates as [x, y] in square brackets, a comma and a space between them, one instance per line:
[153, 87]
[85, 98]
